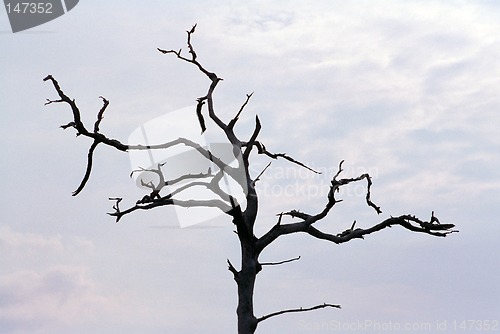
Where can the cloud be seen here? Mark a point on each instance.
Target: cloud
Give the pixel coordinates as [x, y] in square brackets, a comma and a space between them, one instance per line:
[12, 240]
[34, 300]
[45, 284]
[67, 289]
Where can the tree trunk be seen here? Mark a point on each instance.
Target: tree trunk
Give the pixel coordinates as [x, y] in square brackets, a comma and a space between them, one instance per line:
[247, 322]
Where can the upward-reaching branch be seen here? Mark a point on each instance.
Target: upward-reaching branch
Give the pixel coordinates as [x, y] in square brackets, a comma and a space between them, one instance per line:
[77, 122]
[235, 119]
[336, 184]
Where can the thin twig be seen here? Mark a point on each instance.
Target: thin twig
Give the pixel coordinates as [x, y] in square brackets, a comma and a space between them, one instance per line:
[235, 119]
[296, 310]
[232, 269]
[260, 174]
[262, 150]
[281, 262]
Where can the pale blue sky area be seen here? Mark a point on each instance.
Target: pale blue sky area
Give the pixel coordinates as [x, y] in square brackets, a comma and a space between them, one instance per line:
[407, 90]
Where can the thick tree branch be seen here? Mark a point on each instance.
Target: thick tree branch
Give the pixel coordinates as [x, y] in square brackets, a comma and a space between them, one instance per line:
[101, 138]
[432, 227]
[90, 158]
[212, 185]
[82, 130]
[208, 98]
[298, 214]
[296, 310]
[77, 123]
[204, 152]
[409, 222]
[167, 200]
[336, 184]
[147, 201]
[190, 176]
[90, 155]
[212, 76]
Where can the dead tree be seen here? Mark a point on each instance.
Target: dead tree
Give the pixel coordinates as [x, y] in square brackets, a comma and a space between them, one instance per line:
[244, 219]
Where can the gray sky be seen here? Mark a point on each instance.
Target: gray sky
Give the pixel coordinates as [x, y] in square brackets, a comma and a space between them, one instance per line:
[405, 90]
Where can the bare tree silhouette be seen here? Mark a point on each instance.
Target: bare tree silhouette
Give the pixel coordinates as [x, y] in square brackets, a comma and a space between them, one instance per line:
[244, 219]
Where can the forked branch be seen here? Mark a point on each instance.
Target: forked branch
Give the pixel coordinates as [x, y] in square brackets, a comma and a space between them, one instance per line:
[99, 138]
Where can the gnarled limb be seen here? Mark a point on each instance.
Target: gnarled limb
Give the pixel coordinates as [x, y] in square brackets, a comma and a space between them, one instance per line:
[99, 138]
[226, 202]
[155, 189]
[212, 76]
[412, 223]
[167, 200]
[336, 184]
[77, 122]
[88, 170]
